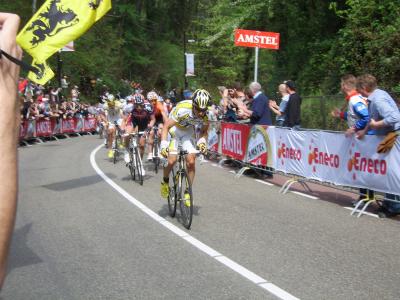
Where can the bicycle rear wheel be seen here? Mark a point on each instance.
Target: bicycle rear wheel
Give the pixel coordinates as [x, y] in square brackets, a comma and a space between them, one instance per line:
[115, 149]
[139, 167]
[186, 199]
[156, 159]
[132, 169]
[172, 196]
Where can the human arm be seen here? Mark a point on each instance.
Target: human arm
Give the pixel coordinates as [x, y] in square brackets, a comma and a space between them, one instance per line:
[9, 128]
[389, 112]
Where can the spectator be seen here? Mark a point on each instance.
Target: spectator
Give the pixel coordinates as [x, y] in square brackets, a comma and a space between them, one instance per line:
[231, 102]
[9, 124]
[64, 82]
[75, 93]
[280, 110]
[293, 107]
[228, 115]
[259, 113]
[168, 105]
[55, 94]
[357, 117]
[384, 119]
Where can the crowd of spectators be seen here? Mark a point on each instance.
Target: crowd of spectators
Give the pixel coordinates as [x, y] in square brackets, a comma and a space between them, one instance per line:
[38, 102]
[252, 106]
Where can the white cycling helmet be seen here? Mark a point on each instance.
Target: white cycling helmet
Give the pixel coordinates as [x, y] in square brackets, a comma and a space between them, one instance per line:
[201, 99]
[152, 96]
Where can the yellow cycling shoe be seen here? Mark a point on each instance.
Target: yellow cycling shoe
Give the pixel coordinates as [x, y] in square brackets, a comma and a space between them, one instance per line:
[164, 189]
[110, 154]
[186, 197]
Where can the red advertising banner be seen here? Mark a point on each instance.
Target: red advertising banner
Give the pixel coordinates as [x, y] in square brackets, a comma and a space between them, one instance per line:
[68, 126]
[234, 140]
[43, 128]
[23, 129]
[89, 124]
[261, 39]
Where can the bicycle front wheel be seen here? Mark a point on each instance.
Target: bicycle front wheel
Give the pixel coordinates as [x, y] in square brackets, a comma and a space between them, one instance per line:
[186, 199]
[156, 158]
[172, 196]
[132, 164]
[139, 167]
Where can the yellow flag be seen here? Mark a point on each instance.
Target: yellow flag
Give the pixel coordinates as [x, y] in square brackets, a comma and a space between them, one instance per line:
[44, 73]
[57, 23]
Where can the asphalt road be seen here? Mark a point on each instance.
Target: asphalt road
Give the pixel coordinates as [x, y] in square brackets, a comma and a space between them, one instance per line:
[77, 237]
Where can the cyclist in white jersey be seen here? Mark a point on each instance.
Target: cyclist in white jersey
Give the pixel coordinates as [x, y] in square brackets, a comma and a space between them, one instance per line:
[181, 123]
[113, 112]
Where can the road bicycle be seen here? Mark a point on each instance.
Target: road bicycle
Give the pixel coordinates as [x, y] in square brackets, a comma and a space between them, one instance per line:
[135, 163]
[117, 143]
[181, 190]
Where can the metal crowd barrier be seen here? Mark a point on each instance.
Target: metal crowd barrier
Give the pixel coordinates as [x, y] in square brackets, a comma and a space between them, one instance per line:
[215, 152]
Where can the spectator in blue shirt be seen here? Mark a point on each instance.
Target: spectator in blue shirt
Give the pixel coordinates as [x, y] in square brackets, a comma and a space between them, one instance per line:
[280, 110]
[357, 117]
[384, 118]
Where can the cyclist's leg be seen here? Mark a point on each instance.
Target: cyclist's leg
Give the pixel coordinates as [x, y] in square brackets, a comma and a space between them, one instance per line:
[142, 144]
[150, 145]
[111, 135]
[128, 130]
[191, 166]
[167, 169]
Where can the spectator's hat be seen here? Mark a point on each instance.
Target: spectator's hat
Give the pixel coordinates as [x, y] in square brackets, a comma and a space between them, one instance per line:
[290, 84]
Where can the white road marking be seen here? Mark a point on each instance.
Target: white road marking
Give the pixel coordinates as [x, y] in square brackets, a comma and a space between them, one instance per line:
[364, 213]
[264, 182]
[233, 172]
[246, 273]
[305, 195]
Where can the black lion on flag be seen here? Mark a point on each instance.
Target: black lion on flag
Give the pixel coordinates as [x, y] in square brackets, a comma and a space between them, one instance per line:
[95, 4]
[51, 22]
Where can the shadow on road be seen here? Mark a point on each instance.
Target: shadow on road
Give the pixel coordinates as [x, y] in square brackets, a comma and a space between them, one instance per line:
[76, 183]
[164, 212]
[20, 254]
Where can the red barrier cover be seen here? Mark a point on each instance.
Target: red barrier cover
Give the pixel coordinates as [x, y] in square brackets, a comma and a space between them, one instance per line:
[89, 124]
[23, 129]
[43, 128]
[234, 140]
[68, 126]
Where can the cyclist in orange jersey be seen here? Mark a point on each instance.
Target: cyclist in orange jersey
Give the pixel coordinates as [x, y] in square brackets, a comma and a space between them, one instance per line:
[160, 116]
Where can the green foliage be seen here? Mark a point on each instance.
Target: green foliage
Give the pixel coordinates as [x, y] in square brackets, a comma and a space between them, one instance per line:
[320, 41]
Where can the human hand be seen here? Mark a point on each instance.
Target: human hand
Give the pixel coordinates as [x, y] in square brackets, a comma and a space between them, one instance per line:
[374, 124]
[361, 133]
[202, 147]
[164, 148]
[349, 132]
[9, 71]
[335, 112]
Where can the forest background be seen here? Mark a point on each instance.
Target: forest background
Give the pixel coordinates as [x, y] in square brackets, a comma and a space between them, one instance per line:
[143, 40]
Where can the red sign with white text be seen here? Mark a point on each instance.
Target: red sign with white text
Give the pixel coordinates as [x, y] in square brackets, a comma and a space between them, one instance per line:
[43, 128]
[234, 139]
[261, 39]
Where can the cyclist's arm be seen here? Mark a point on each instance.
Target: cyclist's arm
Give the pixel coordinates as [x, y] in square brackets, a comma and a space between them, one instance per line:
[169, 124]
[204, 131]
[152, 121]
[164, 116]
